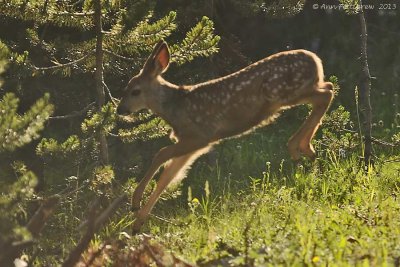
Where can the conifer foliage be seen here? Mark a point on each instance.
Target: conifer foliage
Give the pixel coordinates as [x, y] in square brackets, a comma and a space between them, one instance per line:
[15, 131]
[108, 45]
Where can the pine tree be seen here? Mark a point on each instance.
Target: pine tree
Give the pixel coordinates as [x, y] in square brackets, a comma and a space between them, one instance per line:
[15, 131]
[116, 48]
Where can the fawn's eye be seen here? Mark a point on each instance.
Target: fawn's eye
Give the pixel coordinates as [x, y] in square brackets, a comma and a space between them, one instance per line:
[135, 92]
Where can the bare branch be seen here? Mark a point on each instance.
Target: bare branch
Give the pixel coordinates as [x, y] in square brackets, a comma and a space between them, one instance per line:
[60, 66]
[167, 221]
[384, 143]
[74, 113]
[76, 14]
[376, 140]
[110, 210]
[108, 52]
[37, 222]
[106, 213]
[113, 99]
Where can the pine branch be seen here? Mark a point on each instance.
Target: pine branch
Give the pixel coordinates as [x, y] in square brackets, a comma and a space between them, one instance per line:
[199, 41]
[142, 37]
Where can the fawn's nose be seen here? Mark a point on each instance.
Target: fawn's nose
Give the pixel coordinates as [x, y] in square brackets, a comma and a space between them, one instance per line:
[121, 110]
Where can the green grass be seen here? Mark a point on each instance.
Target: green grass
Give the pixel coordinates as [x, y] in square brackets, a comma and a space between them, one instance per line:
[249, 205]
[253, 212]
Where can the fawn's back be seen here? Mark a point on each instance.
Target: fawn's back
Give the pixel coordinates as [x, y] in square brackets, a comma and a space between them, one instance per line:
[236, 103]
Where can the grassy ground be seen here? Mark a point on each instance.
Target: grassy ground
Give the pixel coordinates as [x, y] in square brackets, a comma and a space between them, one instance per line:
[247, 204]
[326, 213]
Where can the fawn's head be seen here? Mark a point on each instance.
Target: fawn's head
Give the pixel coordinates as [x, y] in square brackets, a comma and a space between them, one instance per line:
[140, 89]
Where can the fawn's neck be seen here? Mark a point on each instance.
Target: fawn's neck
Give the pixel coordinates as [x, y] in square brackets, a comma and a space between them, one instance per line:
[165, 98]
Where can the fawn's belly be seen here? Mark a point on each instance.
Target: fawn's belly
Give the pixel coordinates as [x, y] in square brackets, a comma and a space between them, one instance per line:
[238, 121]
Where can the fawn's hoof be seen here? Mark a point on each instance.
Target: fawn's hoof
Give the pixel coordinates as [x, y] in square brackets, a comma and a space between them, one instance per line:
[308, 151]
[297, 152]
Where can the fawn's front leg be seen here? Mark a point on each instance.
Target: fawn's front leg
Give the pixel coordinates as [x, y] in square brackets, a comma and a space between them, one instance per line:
[162, 156]
[300, 142]
[172, 169]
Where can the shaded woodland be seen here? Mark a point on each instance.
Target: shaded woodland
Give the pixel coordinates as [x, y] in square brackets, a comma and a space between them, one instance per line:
[68, 163]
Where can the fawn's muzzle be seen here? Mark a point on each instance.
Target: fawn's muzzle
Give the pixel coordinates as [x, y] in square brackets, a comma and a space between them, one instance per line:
[121, 110]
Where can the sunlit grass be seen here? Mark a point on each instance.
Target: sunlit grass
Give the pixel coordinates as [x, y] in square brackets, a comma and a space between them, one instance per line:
[326, 212]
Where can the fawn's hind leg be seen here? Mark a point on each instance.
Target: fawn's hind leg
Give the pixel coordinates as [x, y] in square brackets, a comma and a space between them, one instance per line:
[300, 142]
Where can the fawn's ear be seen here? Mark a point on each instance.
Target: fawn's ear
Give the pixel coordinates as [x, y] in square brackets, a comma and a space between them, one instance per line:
[158, 61]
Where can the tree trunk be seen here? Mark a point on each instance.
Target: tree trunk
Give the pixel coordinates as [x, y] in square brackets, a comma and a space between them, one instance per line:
[365, 89]
[99, 77]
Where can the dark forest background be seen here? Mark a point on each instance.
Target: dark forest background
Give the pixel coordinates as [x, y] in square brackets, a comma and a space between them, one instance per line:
[66, 154]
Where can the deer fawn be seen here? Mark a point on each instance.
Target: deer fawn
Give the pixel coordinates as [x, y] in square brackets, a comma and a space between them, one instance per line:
[203, 114]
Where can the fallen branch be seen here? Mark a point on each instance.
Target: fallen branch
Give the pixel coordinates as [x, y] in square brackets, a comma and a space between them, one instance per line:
[93, 224]
[84, 242]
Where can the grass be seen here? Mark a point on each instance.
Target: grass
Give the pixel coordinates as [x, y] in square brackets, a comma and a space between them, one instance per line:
[326, 213]
[253, 207]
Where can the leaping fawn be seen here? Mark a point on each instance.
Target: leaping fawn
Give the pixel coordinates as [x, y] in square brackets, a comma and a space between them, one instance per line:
[203, 114]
